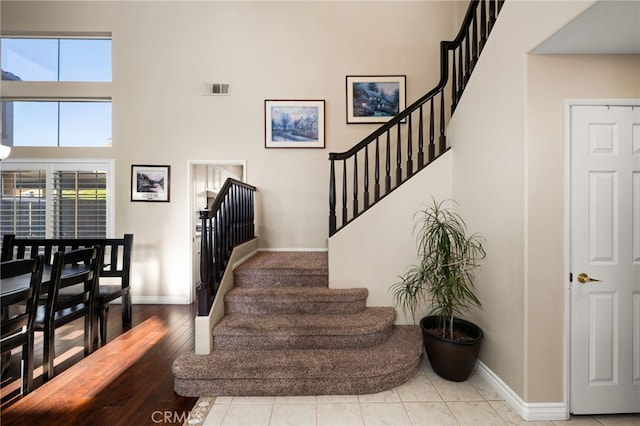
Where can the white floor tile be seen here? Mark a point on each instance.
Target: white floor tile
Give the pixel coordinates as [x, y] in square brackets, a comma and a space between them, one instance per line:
[426, 399]
[384, 414]
[295, 414]
[242, 415]
[419, 388]
[337, 398]
[455, 391]
[619, 420]
[486, 390]
[430, 413]
[386, 396]
[216, 415]
[296, 399]
[340, 414]
[475, 414]
[253, 400]
[579, 420]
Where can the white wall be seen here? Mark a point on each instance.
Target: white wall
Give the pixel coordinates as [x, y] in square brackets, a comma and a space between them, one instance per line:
[494, 180]
[379, 246]
[552, 80]
[163, 54]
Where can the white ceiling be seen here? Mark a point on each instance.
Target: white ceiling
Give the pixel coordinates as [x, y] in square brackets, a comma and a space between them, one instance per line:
[609, 26]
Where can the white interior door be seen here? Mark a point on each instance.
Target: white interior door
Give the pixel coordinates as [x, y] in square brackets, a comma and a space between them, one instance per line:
[605, 245]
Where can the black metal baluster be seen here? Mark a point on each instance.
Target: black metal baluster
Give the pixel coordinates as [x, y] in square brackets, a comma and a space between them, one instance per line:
[483, 25]
[216, 242]
[355, 185]
[432, 145]
[252, 216]
[492, 14]
[376, 188]
[409, 148]
[366, 177]
[344, 192]
[454, 82]
[420, 141]
[460, 86]
[399, 157]
[387, 178]
[467, 58]
[443, 138]
[204, 288]
[474, 40]
[332, 199]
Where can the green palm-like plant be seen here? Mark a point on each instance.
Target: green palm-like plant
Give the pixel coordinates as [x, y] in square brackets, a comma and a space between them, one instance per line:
[447, 262]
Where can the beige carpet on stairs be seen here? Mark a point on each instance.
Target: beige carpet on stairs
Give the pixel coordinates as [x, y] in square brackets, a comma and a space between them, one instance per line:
[287, 333]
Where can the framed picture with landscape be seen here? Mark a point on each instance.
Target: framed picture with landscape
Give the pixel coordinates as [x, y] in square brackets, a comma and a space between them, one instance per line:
[294, 123]
[150, 183]
[375, 98]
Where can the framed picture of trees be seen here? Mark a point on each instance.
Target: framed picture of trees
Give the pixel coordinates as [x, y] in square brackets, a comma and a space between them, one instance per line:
[150, 183]
[294, 123]
[375, 99]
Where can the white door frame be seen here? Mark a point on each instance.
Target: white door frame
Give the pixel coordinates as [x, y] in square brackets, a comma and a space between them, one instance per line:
[192, 220]
[568, 103]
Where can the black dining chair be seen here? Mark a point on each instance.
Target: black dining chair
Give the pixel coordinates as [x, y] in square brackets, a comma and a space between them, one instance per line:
[81, 266]
[20, 282]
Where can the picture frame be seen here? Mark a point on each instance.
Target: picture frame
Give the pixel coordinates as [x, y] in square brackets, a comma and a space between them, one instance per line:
[375, 98]
[294, 123]
[150, 183]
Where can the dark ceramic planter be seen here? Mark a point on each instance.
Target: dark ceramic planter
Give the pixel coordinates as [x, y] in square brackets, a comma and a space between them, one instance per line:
[453, 360]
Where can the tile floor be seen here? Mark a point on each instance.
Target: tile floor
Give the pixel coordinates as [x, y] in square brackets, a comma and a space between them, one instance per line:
[425, 400]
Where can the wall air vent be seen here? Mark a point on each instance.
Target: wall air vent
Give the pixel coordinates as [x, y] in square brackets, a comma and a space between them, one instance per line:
[216, 89]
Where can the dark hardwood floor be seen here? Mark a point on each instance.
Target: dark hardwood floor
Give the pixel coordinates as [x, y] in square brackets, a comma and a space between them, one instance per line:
[127, 381]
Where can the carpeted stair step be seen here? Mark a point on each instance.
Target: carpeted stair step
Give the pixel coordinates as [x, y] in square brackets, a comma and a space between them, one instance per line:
[301, 372]
[268, 269]
[294, 300]
[370, 327]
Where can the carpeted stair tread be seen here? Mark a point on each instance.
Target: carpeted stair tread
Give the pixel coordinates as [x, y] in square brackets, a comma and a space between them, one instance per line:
[286, 262]
[302, 372]
[283, 269]
[294, 300]
[369, 327]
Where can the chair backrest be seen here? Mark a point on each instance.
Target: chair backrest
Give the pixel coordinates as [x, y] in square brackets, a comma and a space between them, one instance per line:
[116, 251]
[19, 300]
[80, 266]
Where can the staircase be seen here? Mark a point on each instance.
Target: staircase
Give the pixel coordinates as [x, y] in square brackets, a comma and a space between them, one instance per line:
[286, 333]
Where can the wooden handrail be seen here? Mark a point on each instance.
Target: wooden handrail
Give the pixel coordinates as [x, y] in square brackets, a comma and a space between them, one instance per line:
[394, 145]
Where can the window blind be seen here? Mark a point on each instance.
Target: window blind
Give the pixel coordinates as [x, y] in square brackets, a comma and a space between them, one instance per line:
[56, 200]
[23, 204]
[79, 204]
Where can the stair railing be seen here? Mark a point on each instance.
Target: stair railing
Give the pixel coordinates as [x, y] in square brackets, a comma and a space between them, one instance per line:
[228, 222]
[420, 128]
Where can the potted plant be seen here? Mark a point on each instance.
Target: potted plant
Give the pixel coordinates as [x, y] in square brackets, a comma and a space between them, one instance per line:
[444, 275]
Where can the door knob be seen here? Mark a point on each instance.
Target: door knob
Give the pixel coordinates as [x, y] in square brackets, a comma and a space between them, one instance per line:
[584, 278]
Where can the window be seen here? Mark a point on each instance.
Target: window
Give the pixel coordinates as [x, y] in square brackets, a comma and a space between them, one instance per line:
[56, 200]
[63, 84]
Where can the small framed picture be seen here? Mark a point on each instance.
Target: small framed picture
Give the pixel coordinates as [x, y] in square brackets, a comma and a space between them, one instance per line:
[376, 98]
[294, 124]
[150, 183]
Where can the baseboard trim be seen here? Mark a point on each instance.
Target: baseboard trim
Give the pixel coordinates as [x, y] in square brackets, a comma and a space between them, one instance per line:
[538, 411]
[295, 249]
[160, 300]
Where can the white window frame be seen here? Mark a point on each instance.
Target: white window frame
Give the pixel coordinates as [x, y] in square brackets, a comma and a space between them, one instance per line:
[59, 91]
[51, 166]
